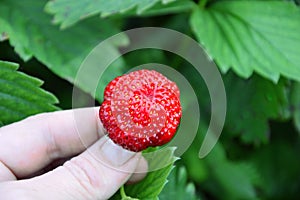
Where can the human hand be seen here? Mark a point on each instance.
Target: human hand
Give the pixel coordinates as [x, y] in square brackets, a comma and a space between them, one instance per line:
[28, 146]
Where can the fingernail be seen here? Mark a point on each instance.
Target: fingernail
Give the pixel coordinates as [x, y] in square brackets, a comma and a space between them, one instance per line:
[115, 154]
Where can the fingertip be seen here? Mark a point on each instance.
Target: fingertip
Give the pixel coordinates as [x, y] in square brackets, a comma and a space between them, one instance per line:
[140, 171]
[113, 154]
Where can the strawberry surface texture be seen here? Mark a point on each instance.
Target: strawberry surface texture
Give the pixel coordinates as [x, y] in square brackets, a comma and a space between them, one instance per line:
[141, 109]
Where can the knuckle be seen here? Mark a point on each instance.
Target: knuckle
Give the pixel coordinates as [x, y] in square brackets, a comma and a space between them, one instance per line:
[86, 175]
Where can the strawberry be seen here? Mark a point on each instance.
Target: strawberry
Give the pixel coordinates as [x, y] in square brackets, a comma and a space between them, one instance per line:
[141, 109]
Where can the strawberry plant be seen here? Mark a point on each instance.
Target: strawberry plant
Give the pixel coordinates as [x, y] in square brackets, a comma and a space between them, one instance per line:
[255, 45]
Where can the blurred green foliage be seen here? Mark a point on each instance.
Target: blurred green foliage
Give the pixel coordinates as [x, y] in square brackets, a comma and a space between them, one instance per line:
[256, 45]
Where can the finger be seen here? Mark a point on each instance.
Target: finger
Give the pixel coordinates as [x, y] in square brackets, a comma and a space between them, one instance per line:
[140, 172]
[97, 173]
[31, 144]
[50, 167]
[6, 173]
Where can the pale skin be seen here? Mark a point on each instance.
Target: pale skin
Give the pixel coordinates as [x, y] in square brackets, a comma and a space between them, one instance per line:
[95, 168]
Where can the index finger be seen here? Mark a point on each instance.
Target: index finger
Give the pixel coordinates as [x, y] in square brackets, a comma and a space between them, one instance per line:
[29, 145]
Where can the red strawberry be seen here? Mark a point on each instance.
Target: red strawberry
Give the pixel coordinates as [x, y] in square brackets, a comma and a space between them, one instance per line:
[141, 109]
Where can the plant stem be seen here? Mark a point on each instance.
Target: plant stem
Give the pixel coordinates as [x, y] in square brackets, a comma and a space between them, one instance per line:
[122, 192]
[202, 3]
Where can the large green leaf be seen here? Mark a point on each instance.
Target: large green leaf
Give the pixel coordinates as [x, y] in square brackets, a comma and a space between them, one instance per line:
[161, 9]
[21, 95]
[234, 179]
[68, 12]
[31, 33]
[177, 186]
[247, 36]
[252, 103]
[151, 186]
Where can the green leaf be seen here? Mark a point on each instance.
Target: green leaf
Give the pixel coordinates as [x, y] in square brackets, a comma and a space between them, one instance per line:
[177, 186]
[31, 33]
[252, 103]
[21, 95]
[247, 36]
[232, 180]
[151, 186]
[68, 12]
[161, 8]
[295, 104]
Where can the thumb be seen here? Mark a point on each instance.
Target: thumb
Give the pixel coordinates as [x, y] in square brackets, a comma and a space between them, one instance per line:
[96, 173]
